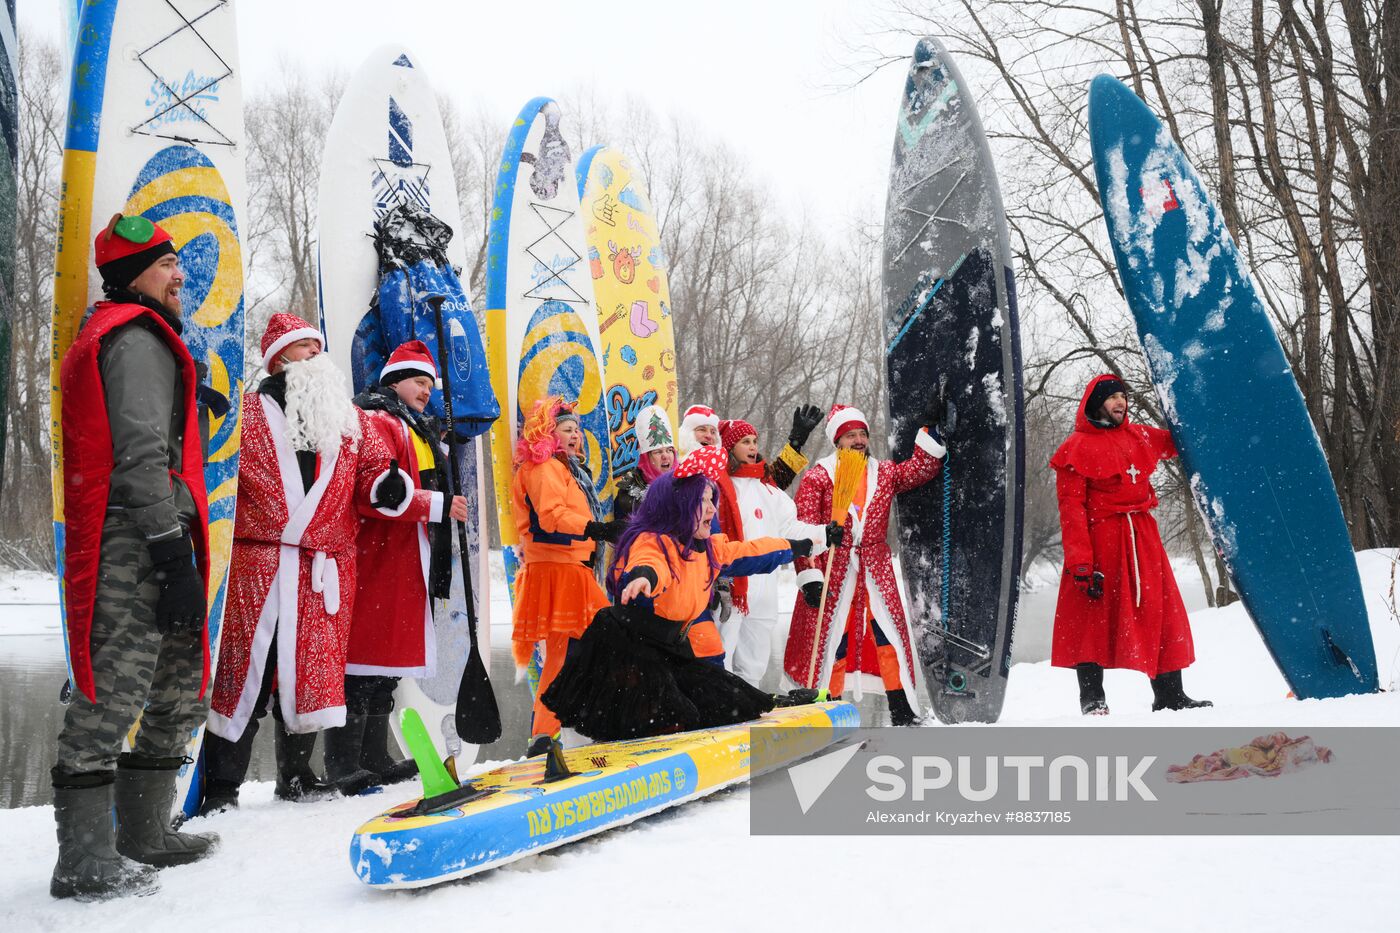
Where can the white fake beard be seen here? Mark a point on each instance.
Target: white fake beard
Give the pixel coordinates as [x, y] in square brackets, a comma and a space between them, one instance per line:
[319, 411]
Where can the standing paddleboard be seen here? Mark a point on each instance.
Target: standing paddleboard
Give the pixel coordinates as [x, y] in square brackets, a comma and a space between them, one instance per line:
[386, 147]
[541, 326]
[628, 268]
[953, 354]
[155, 127]
[1230, 400]
[9, 201]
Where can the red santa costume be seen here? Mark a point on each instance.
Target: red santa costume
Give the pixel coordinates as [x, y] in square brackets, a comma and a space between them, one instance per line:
[1102, 477]
[863, 591]
[392, 634]
[292, 570]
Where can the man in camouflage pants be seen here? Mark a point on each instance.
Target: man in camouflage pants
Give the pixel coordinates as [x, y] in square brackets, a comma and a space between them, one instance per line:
[135, 574]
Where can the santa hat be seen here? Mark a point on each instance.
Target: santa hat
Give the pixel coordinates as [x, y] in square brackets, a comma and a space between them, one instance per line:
[843, 418]
[695, 416]
[654, 430]
[408, 360]
[128, 247]
[732, 432]
[703, 461]
[283, 330]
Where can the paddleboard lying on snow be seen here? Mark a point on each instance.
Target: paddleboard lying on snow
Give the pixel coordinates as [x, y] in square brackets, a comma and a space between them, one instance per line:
[155, 127]
[953, 353]
[386, 148]
[519, 814]
[1234, 409]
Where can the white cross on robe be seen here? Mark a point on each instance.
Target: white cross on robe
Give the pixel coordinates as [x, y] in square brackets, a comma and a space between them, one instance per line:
[1133, 471]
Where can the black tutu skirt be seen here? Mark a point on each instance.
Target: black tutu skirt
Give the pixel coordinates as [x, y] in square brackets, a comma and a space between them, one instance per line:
[633, 675]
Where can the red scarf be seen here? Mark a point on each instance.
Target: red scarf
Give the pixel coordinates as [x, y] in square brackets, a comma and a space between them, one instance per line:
[731, 522]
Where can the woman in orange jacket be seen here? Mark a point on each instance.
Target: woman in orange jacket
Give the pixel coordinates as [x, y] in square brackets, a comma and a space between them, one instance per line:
[634, 672]
[559, 520]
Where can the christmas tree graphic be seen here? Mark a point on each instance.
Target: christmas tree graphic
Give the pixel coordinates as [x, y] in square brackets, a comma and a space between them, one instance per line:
[658, 434]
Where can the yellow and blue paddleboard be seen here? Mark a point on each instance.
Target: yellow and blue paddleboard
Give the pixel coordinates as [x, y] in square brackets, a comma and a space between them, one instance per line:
[628, 266]
[155, 127]
[519, 814]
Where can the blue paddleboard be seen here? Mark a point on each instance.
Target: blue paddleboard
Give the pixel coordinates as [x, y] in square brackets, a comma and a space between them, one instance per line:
[1231, 402]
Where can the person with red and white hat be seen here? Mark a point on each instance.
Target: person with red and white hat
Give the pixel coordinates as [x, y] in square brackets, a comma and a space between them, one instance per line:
[752, 506]
[136, 572]
[310, 464]
[862, 630]
[392, 633]
[700, 427]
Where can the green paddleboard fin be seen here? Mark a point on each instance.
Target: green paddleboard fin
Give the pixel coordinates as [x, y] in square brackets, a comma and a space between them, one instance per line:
[431, 771]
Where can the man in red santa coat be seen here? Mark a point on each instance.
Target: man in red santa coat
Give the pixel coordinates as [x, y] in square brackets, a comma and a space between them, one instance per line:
[1119, 605]
[308, 466]
[862, 630]
[392, 635]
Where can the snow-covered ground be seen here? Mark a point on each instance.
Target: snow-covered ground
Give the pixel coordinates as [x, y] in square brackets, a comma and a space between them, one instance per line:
[697, 868]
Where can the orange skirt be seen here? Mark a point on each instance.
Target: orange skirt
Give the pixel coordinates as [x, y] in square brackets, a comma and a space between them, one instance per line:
[552, 599]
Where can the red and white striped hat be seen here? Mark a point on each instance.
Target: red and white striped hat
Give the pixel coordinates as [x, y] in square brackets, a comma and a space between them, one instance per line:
[408, 359]
[843, 418]
[283, 330]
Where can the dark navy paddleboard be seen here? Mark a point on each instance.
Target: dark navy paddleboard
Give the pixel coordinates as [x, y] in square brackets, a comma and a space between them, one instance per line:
[953, 354]
[1231, 402]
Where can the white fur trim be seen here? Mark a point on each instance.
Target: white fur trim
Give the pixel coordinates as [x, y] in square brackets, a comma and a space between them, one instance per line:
[331, 717]
[882, 617]
[289, 338]
[416, 365]
[375, 670]
[810, 575]
[925, 442]
[843, 417]
[407, 499]
[438, 507]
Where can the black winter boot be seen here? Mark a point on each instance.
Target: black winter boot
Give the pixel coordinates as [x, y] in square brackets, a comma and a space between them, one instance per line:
[1167, 693]
[342, 753]
[225, 766]
[374, 756]
[900, 712]
[539, 745]
[145, 797]
[1092, 701]
[89, 867]
[295, 779]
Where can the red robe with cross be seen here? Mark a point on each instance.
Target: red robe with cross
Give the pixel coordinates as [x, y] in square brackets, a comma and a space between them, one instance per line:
[291, 584]
[862, 574]
[1102, 478]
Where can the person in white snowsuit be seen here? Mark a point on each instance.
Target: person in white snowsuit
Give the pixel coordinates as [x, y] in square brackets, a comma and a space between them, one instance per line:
[752, 506]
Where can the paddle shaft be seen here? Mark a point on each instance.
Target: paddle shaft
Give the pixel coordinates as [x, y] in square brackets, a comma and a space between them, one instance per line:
[488, 718]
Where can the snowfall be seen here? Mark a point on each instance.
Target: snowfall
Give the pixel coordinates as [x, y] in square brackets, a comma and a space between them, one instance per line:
[284, 866]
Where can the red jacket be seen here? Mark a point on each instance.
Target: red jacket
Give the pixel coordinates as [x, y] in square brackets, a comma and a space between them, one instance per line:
[1106, 497]
[87, 471]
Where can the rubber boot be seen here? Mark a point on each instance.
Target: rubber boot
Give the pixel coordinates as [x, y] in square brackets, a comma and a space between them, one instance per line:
[1092, 701]
[900, 712]
[89, 867]
[1167, 693]
[225, 766]
[295, 779]
[342, 753]
[374, 755]
[145, 797]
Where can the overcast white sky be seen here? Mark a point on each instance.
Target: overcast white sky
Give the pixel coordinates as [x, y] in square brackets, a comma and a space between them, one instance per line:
[769, 77]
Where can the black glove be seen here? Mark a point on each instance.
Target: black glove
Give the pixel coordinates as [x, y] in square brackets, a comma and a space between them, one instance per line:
[1090, 584]
[800, 547]
[392, 490]
[1095, 590]
[835, 534]
[812, 594]
[804, 420]
[605, 531]
[181, 605]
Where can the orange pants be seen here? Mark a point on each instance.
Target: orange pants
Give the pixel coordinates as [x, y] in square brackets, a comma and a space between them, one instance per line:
[556, 646]
[885, 656]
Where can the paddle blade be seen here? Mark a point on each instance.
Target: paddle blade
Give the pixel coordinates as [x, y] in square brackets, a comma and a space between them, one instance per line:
[478, 720]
